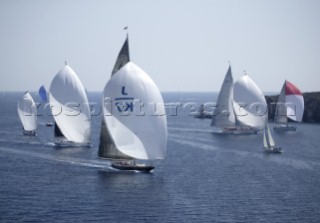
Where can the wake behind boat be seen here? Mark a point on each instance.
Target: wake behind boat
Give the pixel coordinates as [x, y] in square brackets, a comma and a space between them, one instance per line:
[240, 130]
[62, 142]
[284, 128]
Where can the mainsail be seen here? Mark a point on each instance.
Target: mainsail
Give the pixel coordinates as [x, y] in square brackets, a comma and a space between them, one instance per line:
[224, 115]
[123, 57]
[27, 111]
[126, 132]
[43, 94]
[249, 103]
[70, 106]
[281, 111]
[268, 141]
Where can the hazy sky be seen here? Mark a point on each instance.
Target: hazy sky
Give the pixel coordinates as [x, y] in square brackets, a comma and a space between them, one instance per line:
[184, 45]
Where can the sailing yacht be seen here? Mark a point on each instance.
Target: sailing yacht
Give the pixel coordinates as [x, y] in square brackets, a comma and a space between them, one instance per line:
[201, 113]
[227, 117]
[127, 133]
[43, 94]
[70, 109]
[44, 99]
[27, 111]
[290, 105]
[268, 142]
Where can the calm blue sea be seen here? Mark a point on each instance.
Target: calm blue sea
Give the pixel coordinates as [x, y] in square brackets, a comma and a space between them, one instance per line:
[204, 178]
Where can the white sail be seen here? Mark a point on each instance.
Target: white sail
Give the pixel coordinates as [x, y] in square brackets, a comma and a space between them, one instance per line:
[224, 114]
[270, 138]
[27, 111]
[281, 110]
[268, 141]
[141, 136]
[249, 104]
[70, 106]
[265, 143]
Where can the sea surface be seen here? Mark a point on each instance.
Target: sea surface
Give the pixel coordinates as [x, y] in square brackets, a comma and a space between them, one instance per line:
[204, 178]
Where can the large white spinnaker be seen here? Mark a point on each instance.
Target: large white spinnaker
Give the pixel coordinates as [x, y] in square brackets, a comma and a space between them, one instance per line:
[139, 135]
[70, 106]
[27, 111]
[249, 104]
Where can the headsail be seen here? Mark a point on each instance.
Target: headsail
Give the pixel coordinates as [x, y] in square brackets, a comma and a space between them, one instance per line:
[70, 106]
[27, 111]
[249, 104]
[125, 132]
[224, 115]
[43, 94]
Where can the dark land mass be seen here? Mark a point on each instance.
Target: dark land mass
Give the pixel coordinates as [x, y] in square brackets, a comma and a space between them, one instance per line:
[311, 107]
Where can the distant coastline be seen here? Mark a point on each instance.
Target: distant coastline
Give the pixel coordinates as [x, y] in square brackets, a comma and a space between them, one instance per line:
[311, 106]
